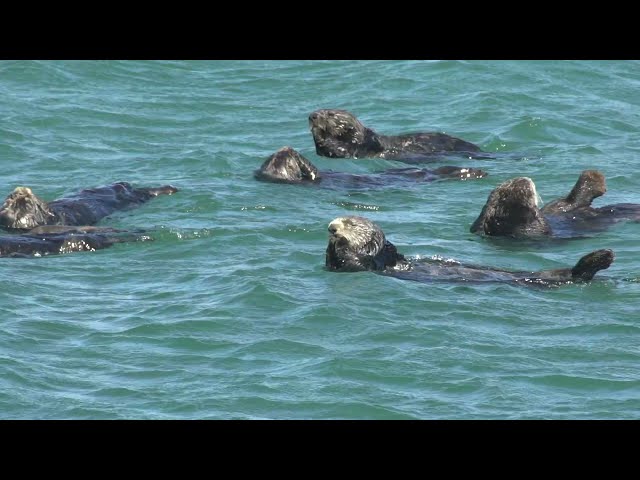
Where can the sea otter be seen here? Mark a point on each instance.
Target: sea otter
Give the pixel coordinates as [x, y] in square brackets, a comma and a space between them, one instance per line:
[358, 244]
[289, 166]
[576, 206]
[339, 134]
[512, 210]
[23, 210]
[42, 241]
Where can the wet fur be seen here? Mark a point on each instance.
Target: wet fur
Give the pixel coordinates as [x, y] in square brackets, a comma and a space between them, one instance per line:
[590, 185]
[289, 166]
[576, 207]
[339, 134]
[38, 243]
[358, 244]
[23, 210]
[511, 210]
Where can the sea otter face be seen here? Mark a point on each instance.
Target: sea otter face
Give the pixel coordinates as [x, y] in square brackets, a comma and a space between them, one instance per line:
[339, 134]
[288, 166]
[359, 234]
[354, 242]
[23, 210]
[357, 244]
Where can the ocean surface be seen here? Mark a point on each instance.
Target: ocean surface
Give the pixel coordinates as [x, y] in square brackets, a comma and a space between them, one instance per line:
[229, 312]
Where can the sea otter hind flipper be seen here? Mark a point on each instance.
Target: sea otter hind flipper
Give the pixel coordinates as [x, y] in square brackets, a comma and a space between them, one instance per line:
[591, 263]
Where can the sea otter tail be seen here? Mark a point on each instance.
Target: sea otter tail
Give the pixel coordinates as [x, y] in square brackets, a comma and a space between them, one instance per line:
[591, 263]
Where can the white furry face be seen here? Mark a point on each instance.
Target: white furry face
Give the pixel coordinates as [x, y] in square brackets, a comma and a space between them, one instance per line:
[24, 210]
[356, 231]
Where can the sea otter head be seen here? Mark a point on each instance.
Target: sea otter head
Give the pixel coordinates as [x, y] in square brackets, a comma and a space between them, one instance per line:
[354, 242]
[287, 166]
[339, 134]
[23, 210]
[512, 210]
[590, 185]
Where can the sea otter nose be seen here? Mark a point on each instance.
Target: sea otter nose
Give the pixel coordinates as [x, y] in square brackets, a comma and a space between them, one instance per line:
[332, 229]
[313, 116]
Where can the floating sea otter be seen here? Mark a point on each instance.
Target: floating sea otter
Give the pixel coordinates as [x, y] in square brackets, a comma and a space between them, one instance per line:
[289, 166]
[358, 244]
[339, 134]
[57, 240]
[23, 210]
[512, 210]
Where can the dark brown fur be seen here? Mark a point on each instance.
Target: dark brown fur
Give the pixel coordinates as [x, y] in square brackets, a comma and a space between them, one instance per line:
[289, 166]
[23, 210]
[38, 242]
[339, 134]
[576, 207]
[512, 210]
[590, 185]
[358, 244]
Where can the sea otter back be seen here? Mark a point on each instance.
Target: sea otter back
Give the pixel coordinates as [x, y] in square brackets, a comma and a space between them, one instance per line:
[629, 211]
[427, 143]
[29, 245]
[91, 205]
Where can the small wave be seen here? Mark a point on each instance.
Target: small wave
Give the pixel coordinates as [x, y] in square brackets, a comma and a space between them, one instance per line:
[357, 206]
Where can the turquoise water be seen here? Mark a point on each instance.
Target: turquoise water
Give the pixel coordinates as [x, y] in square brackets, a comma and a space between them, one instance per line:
[229, 313]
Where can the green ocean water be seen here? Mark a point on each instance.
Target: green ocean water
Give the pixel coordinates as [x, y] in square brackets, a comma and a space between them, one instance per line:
[229, 312]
